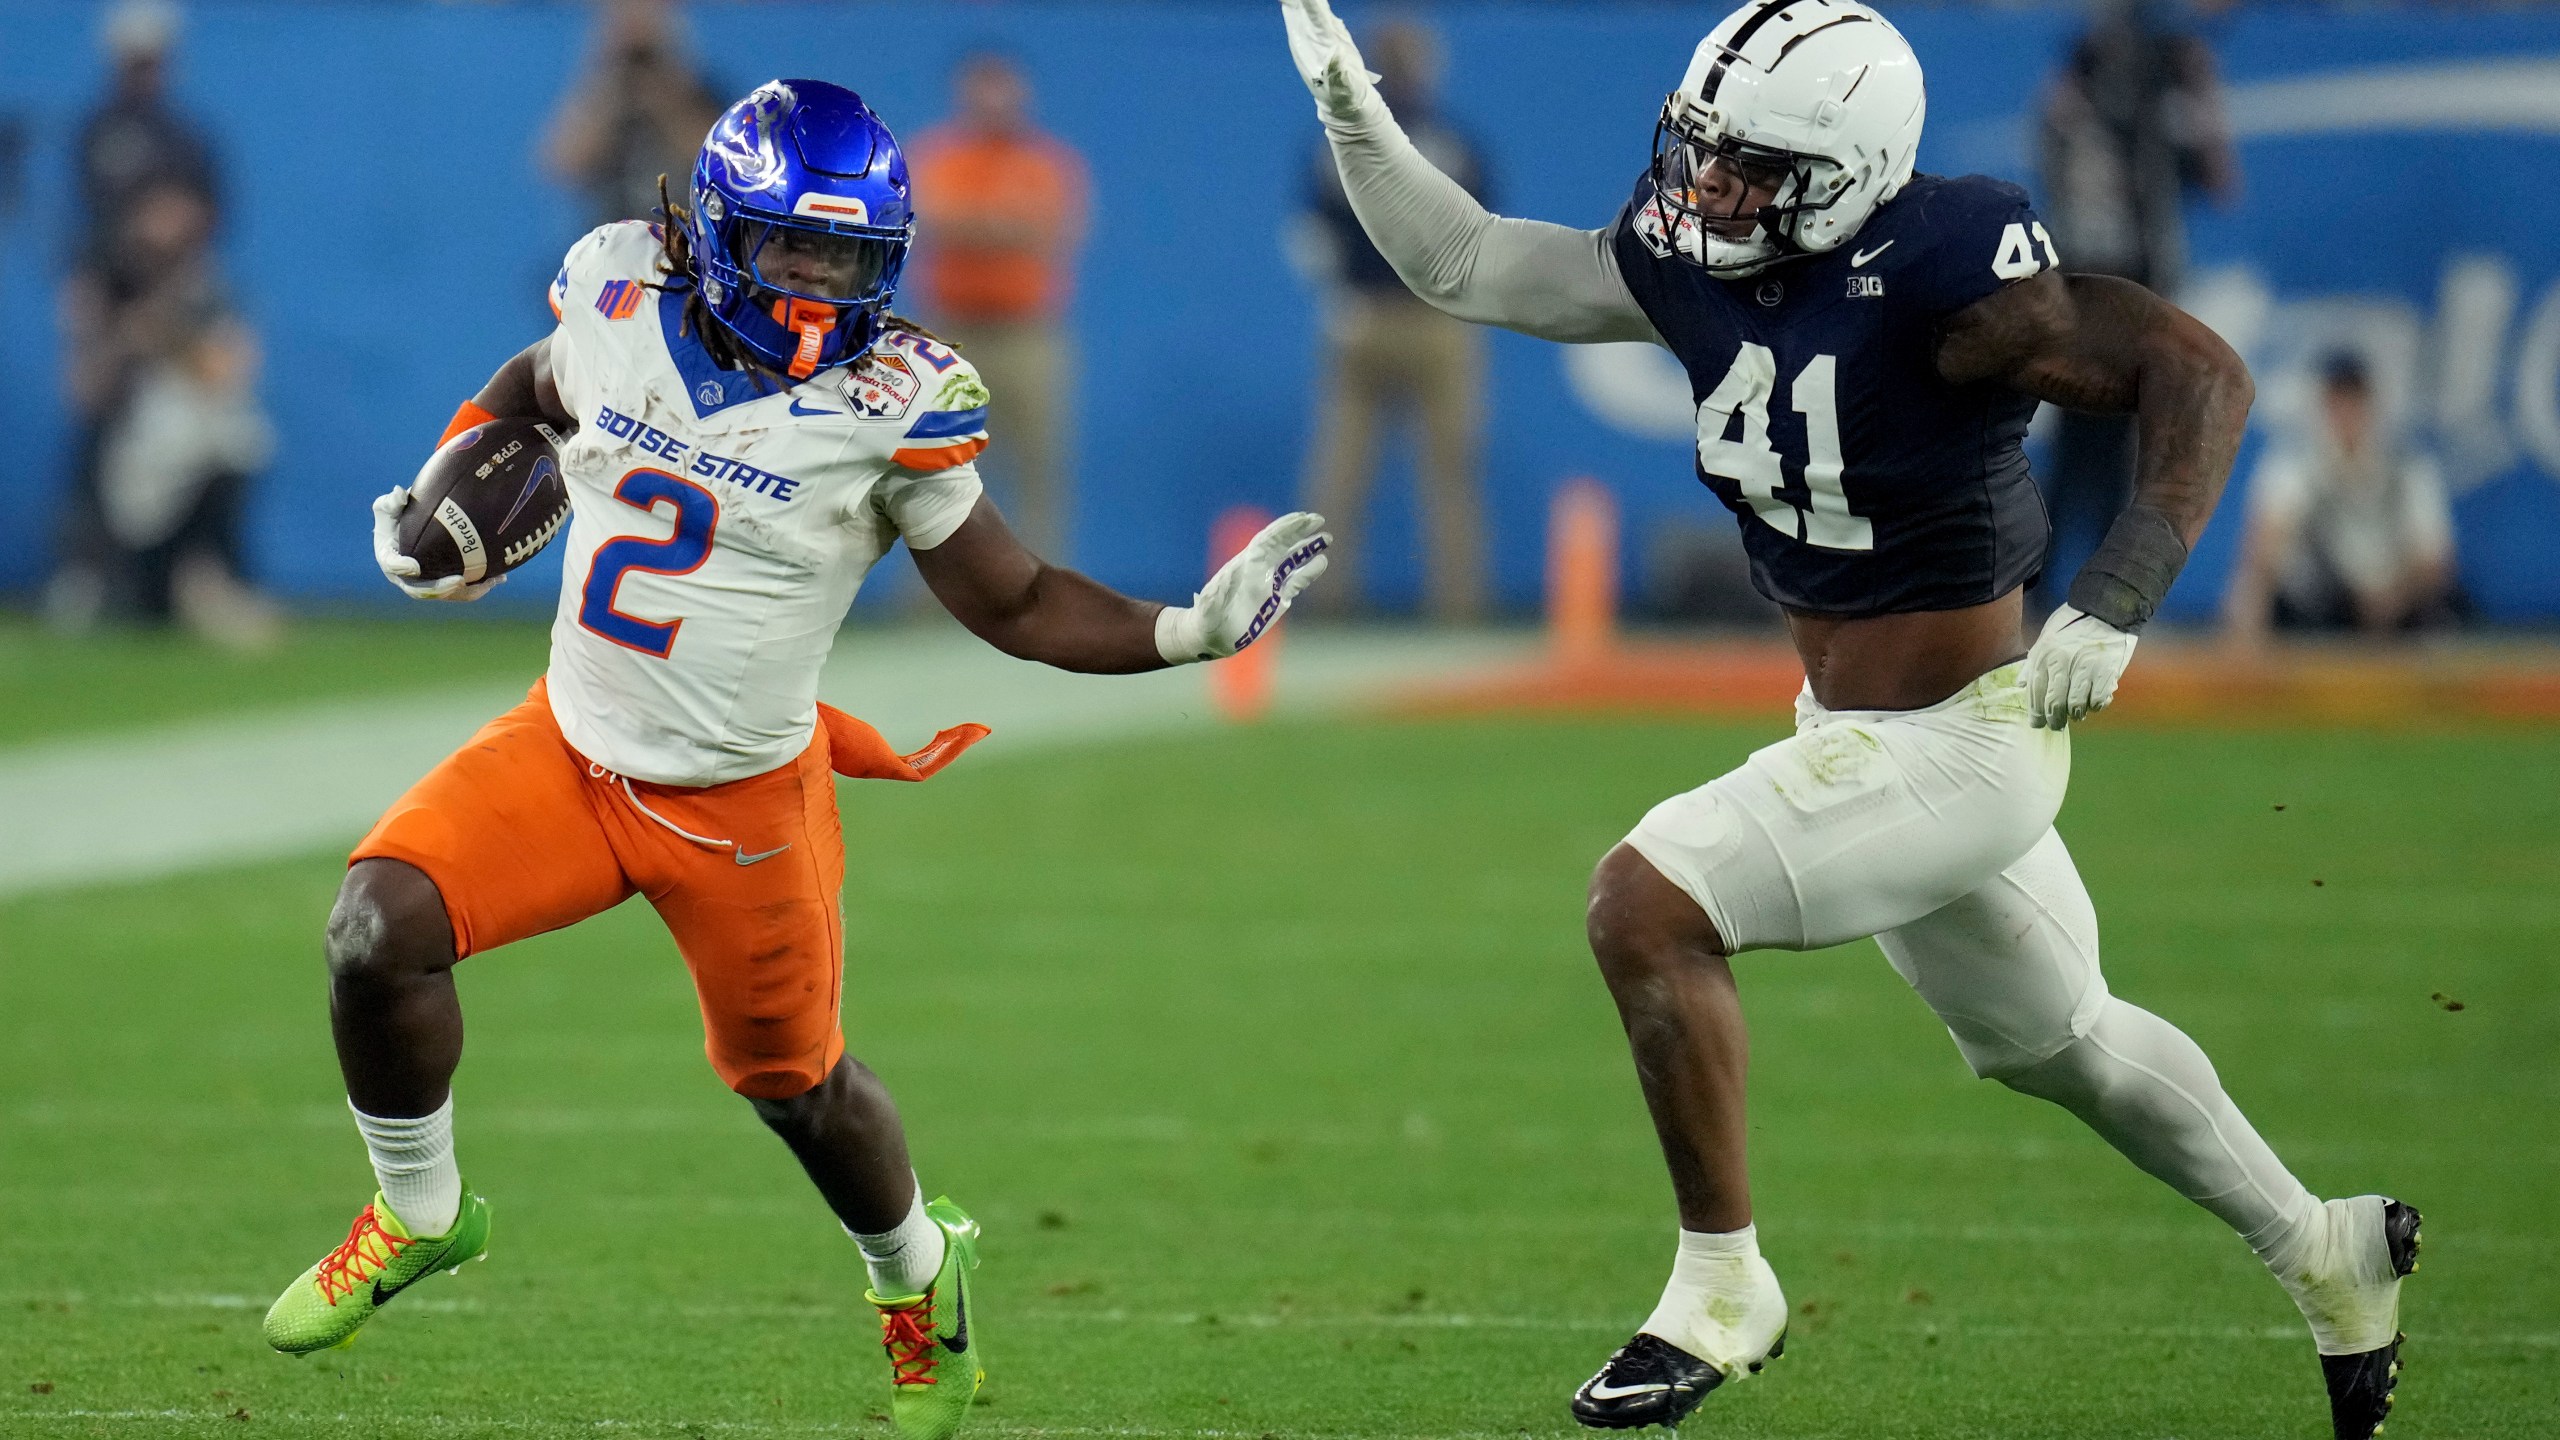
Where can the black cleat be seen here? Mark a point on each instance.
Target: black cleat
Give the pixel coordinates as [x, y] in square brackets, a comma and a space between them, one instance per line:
[1650, 1381]
[2360, 1386]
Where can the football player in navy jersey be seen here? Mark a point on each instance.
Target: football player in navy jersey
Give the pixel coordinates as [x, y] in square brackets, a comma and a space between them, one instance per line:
[1866, 346]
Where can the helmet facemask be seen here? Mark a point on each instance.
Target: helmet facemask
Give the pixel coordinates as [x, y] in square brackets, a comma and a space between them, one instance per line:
[823, 283]
[1689, 140]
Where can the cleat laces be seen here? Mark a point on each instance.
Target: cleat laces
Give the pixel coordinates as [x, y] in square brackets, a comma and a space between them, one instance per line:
[366, 1250]
[907, 1334]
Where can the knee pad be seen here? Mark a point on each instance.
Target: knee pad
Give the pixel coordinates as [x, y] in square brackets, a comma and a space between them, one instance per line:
[2003, 1035]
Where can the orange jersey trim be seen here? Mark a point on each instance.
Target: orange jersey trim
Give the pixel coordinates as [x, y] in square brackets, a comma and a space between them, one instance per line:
[940, 457]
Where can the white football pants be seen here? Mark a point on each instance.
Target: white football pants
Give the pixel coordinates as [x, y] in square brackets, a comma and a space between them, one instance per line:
[1932, 830]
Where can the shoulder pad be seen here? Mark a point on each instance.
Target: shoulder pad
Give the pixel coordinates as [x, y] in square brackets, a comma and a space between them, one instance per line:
[607, 268]
[1966, 238]
[950, 425]
[958, 406]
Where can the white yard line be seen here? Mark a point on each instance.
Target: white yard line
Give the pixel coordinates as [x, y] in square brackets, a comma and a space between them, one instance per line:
[1953, 1327]
[437, 1424]
[240, 789]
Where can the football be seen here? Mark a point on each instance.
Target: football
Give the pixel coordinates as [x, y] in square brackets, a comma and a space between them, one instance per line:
[486, 502]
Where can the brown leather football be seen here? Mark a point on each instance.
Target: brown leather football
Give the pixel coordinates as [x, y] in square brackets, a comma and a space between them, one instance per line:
[486, 502]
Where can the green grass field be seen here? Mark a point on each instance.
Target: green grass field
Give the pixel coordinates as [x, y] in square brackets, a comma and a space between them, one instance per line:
[56, 685]
[1275, 1067]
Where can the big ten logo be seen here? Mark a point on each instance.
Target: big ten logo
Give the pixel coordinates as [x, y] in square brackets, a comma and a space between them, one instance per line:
[2477, 382]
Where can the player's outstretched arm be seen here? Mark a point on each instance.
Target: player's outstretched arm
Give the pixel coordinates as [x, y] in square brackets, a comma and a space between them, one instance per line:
[1033, 610]
[1550, 281]
[523, 388]
[2089, 342]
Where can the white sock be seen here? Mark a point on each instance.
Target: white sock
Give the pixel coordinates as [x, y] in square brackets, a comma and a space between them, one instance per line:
[2338, 1270]
[903, 1261]
[1722, 1303]
[413, 1160]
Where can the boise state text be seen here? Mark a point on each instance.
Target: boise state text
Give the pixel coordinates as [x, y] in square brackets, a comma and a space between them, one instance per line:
[1865, 483]
[650, 440]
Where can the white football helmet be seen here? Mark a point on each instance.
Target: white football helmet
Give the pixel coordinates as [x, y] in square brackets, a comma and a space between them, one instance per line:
[1820, 97]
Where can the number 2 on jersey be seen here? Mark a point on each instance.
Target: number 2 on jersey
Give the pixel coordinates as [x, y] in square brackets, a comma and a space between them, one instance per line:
[696, 514]
[1752, 464]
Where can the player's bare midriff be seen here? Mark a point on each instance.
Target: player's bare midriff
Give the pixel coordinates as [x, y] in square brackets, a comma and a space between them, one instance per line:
[1907, 661]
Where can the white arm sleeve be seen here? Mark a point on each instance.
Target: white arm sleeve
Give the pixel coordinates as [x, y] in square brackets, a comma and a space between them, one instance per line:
[1551, 281]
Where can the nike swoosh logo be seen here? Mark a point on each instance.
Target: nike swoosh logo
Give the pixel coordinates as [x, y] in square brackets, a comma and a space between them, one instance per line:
[743, 858]
[957, 1342]
[796, 410]
[1621, 1392]
[382, 1297]
[1863, 256]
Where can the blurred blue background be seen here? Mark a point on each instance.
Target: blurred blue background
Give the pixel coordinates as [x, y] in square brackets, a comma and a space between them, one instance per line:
[391, 236]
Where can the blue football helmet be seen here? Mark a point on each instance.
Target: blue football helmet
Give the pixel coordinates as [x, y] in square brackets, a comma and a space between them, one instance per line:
[800, 224]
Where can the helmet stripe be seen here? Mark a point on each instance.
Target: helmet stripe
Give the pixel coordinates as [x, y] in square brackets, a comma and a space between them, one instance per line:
[1789, 48]
[1733, 47]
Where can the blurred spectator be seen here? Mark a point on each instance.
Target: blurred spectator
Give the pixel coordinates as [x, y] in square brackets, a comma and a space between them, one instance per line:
[158, 368]
[1388, 355]
[2346, 532]
[135, 140]
[2131, 126]
[1002, 209]
[639, 111]
[161, 373]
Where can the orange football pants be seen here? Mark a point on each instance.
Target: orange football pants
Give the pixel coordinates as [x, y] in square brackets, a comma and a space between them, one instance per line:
[522, 834]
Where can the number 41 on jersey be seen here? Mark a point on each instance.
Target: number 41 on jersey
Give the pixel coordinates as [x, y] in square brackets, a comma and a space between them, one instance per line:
[1753, 464]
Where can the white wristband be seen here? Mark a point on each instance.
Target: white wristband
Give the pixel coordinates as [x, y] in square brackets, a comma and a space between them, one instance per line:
[1178, 635]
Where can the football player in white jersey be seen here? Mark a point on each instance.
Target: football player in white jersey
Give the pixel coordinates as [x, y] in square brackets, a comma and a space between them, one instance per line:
[753, 430]
[1781, 237]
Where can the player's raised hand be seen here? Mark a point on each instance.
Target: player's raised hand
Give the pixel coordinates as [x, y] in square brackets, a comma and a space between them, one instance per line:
[1248, 594]
[1328, 60]
[2073, 667]
[401, 570]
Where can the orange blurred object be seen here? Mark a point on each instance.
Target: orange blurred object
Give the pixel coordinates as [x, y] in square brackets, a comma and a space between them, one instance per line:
[1240, 685]
[1582, 571]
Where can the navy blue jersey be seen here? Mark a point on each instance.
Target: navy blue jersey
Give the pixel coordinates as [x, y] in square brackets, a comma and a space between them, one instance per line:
[1865, 484]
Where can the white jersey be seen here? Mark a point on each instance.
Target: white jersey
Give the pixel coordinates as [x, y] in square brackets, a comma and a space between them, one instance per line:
[719, 527]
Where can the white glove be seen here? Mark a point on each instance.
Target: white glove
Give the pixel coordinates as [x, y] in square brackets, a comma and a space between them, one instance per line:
[402, 571]
[1248, 594]
[1345, 89]
[2073, 669]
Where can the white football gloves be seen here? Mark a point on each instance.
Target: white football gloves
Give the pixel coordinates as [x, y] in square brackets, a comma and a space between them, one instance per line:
[1328, 61]
[1248, 593]
[402, 571]
[2073, 667]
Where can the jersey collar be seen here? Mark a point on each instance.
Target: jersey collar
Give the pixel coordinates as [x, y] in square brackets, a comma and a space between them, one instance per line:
[710, 388]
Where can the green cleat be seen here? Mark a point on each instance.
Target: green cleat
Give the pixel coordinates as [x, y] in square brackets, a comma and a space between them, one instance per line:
[935, 1363]
[378, 1260]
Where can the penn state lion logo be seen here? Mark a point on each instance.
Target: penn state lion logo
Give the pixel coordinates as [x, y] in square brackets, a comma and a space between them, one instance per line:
[745, 141]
